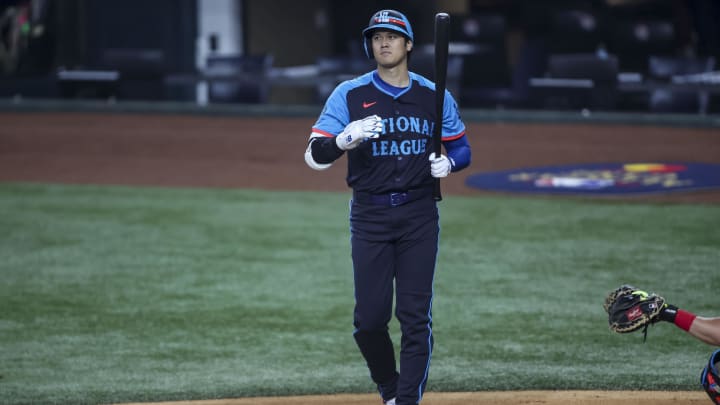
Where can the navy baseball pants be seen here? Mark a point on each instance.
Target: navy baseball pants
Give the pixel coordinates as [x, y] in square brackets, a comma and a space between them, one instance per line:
[399, 244]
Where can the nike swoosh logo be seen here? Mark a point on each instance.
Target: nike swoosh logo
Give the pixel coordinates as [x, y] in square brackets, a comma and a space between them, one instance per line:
[368, 105]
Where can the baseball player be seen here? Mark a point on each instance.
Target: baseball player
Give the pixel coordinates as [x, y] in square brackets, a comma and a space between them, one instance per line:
[630, 309]
[702, 328]
[383, 121]
[633, 309]
[706, 330]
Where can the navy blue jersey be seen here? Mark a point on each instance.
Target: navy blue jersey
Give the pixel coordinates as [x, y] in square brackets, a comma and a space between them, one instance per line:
[398, 159]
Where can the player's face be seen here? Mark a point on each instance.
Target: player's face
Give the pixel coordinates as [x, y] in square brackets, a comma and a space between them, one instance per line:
[389, 48]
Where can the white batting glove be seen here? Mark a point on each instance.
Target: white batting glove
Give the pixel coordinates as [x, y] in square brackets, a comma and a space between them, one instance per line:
[440, 167]
[357, 131]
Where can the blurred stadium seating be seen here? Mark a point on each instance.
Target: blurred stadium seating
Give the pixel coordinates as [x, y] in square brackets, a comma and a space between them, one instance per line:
[238, 78]
[662, 69]
[578, 81]
[608, 55]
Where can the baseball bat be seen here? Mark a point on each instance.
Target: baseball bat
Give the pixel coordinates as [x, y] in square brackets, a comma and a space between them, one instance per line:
[442, 39]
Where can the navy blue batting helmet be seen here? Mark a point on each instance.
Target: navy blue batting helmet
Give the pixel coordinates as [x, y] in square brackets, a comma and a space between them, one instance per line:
[388, 20]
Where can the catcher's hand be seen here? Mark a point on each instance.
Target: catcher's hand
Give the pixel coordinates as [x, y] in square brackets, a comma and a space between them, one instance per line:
[630, 309]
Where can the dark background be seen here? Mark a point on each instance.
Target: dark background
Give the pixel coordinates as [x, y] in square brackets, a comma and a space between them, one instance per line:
[152, 43]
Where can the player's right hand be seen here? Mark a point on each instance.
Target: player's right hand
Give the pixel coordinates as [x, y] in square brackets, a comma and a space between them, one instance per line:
[440, 166]
[357, 131]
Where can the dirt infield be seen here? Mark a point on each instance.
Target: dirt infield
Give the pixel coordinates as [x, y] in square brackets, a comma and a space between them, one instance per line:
[267, 153]
[486, 398]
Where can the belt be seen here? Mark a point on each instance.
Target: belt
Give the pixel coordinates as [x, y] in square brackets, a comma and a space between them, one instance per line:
[392, 199]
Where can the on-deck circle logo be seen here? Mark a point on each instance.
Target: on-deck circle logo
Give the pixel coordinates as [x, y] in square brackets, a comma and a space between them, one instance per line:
[629, 175]
[602, 178]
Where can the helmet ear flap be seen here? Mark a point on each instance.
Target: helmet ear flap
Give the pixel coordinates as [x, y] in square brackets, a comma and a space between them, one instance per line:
[367, 45]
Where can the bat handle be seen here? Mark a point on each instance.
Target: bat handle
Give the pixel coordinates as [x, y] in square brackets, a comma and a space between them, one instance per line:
[437, 194]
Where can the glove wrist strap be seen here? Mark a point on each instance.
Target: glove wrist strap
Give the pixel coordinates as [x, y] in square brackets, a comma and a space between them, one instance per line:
[669, 313]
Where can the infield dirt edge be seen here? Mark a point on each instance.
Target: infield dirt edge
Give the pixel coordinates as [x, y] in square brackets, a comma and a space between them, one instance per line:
[485, 398]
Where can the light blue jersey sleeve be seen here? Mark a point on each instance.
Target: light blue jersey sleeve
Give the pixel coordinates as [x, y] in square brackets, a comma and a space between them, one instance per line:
[453, 126]
[335, 114]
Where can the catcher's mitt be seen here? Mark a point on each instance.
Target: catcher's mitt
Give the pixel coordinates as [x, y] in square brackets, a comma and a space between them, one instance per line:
[630, 309]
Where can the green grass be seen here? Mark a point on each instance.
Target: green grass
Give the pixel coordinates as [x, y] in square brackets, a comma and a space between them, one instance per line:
[113, 294]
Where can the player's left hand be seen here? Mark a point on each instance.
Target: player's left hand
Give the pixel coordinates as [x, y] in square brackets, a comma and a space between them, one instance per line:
[440, 166]
[630, 309]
